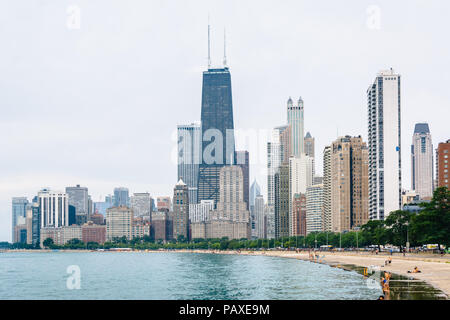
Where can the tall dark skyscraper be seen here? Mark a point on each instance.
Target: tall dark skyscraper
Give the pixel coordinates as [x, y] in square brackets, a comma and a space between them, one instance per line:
[217, 131]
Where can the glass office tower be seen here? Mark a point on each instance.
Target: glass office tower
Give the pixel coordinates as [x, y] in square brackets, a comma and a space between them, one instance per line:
[217, 131]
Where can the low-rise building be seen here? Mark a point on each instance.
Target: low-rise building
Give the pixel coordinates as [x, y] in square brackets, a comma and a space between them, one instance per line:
[141, 228]
[61, 235]
[91, 232]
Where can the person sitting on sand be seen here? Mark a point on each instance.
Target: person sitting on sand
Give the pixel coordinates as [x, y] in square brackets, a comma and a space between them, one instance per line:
[415, 270]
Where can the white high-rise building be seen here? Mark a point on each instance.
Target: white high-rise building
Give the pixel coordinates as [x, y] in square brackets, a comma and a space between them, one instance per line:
[314, 203]
[259, 217]
[301, 175]
[422, 161]
[269, 222]
[326, 208]
[274, 156]
[189, 157]
[384, 135]
[54, 206]
[295, 118]
[255, 191]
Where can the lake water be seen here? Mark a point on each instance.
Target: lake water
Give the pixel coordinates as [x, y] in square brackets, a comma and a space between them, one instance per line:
[167, 275]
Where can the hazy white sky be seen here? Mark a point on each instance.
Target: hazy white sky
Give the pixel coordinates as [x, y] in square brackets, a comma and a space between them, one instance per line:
[98, 105]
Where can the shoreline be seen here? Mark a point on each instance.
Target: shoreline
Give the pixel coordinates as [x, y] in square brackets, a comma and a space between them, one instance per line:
[434, 271]
[399, 266]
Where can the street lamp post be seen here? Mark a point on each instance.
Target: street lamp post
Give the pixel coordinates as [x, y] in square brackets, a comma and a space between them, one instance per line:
[357, 231]
[407, 235]
[315, 240]
[357, 246]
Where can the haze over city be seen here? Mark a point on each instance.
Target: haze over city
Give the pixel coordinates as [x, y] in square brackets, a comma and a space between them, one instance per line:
[99, 105]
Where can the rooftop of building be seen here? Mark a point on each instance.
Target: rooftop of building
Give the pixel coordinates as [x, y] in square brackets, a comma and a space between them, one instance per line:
[217, 70]
[119, 208]
[180, 183]
[389, 72]
[421, 128]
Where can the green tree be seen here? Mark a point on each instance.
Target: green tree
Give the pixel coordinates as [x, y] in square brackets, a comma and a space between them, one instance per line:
[397, 227]
[223, 244]
[181, 238]
[432, 224]
[75, 244]
[374, 232]
[92, 245]
[47, 243]
[215, 246]
[349, 239]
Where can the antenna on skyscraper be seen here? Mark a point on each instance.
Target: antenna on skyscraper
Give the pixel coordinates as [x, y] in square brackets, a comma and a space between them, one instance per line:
[209, 45]
[224, 48]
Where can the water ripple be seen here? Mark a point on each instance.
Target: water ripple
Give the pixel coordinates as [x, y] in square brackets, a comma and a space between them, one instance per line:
[159, 275]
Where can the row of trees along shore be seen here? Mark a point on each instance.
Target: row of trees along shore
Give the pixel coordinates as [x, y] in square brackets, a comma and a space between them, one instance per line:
[430, 226]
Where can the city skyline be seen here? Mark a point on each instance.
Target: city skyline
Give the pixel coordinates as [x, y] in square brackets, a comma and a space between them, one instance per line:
[26, 178]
